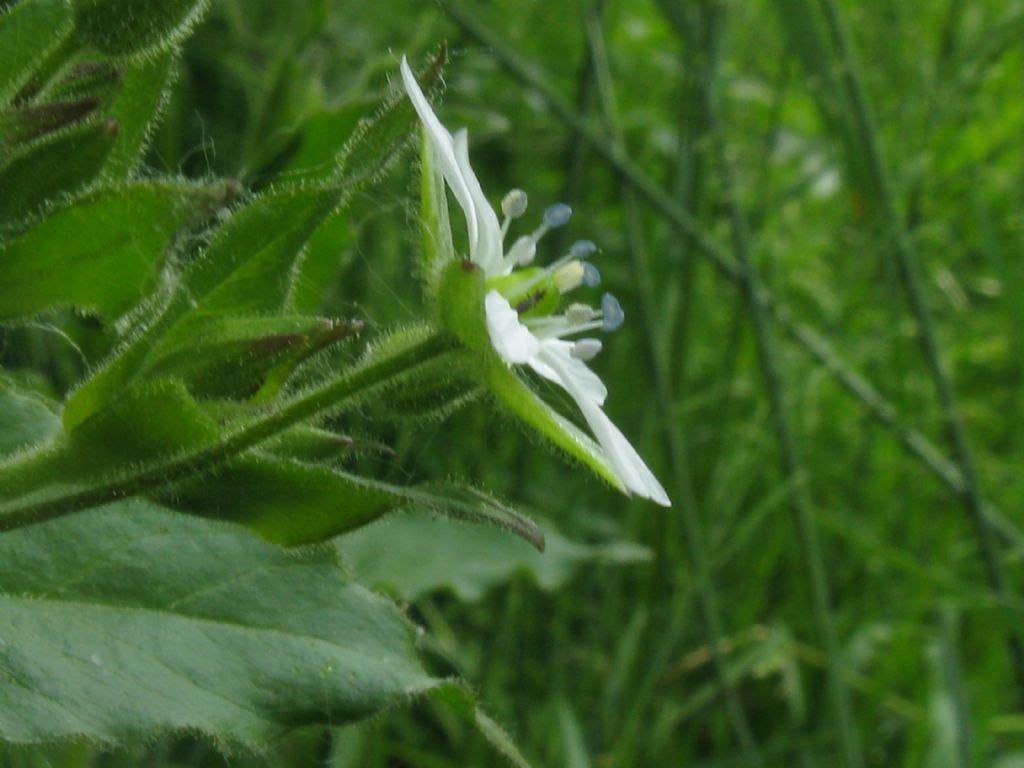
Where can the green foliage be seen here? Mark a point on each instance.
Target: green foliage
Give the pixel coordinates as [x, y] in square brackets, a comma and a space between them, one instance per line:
[82, 254]
[29, 32]
[466, 559]
[202, 385]
[153, 623]
[135, 27]
[214, 346]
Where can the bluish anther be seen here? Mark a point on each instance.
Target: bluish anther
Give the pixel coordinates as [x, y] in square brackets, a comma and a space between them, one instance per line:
[582, 248]
[612, 316]
[591, 277]
[557, 215]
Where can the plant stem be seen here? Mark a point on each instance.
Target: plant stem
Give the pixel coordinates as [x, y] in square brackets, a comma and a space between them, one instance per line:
[18, 513]
[907, 264]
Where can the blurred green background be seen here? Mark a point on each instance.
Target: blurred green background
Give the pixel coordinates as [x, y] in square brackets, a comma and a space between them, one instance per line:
[811, 211]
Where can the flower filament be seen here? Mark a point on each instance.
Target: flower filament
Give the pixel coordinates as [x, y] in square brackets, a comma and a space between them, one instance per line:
[534, 292]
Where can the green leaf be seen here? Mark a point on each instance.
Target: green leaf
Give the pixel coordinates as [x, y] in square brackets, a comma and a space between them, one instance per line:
[379, 141]
[287, 502]
[151, 421]
[316, 279]
[61, 163]
[233, 356]
[143, 94]
[135, 27]
[29, 32]
[102, 252]
[465, 559]
[160, 311]
[246, 267]
[248, 264]
[153, 622]
[28, 418]
[322, 138]
[291, 502]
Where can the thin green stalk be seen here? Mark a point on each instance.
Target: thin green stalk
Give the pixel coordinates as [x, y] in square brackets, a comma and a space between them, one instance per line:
[907, 265]
[16, 514]
[797, 492]
[806, 338]
[693, 534]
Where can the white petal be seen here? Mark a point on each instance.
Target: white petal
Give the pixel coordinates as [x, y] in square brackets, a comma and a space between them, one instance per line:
[635, 475]
[444, 150]
[511, 339]
[556, 354]
[486, 250]
[626, 462]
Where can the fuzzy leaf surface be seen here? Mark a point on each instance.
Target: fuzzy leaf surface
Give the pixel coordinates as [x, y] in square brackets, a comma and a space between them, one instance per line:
[136, 107]
[28, 33]
[135, 27]
[62, 163]
[154, 622]
[293, 502]
[101, 253]
[27, 417]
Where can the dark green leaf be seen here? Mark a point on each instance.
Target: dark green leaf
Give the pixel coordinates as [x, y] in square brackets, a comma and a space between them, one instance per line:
[27, 418]
[28, 123]
[152, 421]
[60, 163]
[135, 27]
[235, 356]
[29, 32]
[291, 502]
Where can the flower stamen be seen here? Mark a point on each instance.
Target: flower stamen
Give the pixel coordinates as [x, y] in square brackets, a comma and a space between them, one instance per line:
[513, 205]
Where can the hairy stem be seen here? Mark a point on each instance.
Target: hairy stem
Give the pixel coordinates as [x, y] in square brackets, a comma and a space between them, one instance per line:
[24, 511]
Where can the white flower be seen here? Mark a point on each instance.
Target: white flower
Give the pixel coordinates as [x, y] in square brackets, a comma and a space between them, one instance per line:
[537, 342]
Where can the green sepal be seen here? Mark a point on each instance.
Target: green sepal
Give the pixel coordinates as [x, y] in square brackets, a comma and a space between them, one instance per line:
[516, 397]
[127, 28]
[460, 305]
[435, 225]
[61, 163]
